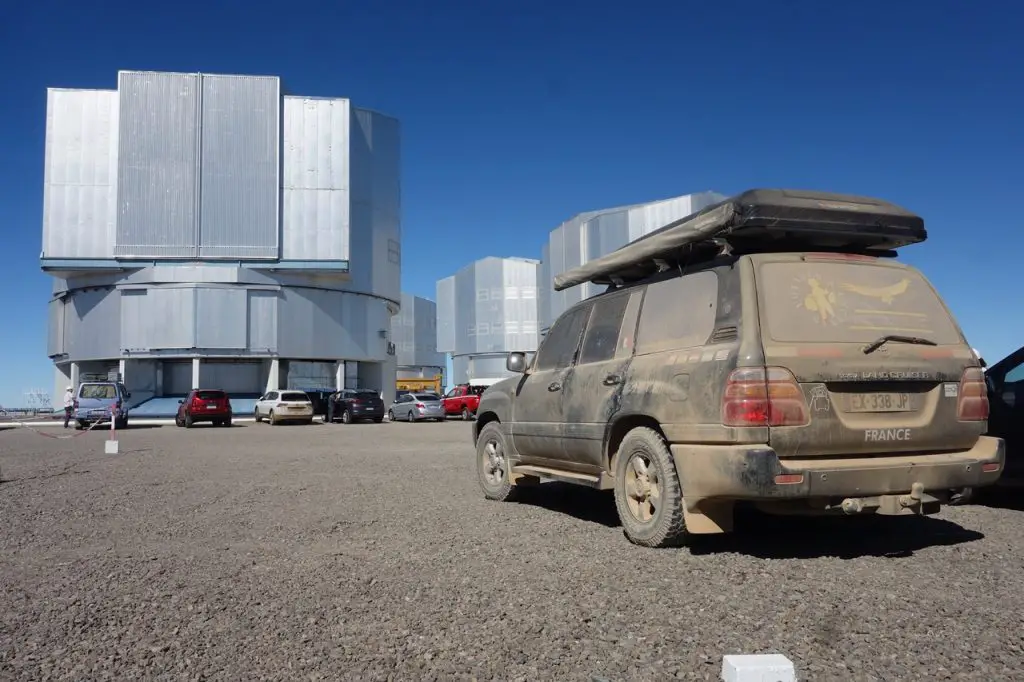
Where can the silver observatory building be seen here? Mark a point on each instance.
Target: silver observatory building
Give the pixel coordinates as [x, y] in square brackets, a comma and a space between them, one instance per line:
[484, 311]
[209, 231]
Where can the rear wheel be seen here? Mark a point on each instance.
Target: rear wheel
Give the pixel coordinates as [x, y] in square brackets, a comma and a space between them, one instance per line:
[378, 420]
[188, 421]
[273, 418]
[466, 414]
[648, 495]
[409, 418]
[492, 466]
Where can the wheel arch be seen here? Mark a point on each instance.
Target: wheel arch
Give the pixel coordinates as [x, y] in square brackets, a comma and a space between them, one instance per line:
[482, 420]
[617, 431]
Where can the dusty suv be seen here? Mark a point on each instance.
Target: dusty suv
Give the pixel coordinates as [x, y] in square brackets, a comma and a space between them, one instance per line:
[717, 370]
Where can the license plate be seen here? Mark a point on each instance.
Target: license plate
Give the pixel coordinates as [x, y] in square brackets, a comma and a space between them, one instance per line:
[880, 402]
[211, 407]
[296, 409]
[98, 413]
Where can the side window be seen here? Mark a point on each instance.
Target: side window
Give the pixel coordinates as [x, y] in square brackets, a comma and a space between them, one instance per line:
[678, 313]
[601, 339]
[560, 344]
[272, 395]
[1014, 375]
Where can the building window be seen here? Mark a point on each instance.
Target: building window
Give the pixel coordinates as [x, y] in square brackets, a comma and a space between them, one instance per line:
[394, 252]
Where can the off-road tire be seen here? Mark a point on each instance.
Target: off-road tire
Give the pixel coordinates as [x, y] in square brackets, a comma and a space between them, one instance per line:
[467, 415]
[667, 526]
[499, 491]
[346, 417]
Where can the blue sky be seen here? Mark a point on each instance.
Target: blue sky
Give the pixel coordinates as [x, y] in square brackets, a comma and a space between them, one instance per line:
[518, 115]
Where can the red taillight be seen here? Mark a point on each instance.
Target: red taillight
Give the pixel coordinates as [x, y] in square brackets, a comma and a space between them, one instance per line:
[420, 405]
[972, 403]
[759, 396]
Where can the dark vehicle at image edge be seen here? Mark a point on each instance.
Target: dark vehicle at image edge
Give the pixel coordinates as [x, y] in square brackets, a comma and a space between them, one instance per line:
[766, 351]
[351, 405]
[204, 405]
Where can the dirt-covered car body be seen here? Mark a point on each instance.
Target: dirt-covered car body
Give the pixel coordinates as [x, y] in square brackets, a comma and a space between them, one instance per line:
[804, 381]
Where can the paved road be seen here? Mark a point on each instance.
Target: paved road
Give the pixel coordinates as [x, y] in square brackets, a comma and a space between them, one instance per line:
[365, 552]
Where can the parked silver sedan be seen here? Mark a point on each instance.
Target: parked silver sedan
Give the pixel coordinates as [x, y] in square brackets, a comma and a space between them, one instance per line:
[413, 407]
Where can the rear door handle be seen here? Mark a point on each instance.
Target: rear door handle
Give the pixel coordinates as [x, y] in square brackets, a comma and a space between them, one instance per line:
[554, 386]
[612, 380]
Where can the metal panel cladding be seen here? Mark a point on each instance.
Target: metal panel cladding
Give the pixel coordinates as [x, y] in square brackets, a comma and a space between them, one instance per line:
[158, 165]
[493, 307]
[80, 174]
[414, 333]
[446, 315]
[375, 228]
[240, 166]
[315, 145]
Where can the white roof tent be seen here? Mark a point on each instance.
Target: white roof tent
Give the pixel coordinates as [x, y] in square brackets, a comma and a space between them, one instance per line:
[758, 220]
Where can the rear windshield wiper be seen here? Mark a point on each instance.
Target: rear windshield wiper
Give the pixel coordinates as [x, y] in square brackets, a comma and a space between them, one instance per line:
[881, 340]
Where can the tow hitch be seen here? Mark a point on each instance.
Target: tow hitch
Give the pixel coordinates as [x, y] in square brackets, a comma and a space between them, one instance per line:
[917, 502]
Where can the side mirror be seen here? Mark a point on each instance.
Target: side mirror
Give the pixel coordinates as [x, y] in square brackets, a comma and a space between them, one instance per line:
[127, 394]
[516, 362]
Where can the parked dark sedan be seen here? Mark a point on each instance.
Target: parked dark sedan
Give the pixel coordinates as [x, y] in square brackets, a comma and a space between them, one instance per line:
[352, 405]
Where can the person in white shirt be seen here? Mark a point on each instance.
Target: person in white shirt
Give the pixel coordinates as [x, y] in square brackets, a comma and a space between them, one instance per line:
[69, 404]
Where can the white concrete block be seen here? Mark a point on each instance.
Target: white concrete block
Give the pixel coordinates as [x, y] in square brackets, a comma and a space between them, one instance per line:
[758, 668]
[110, 447]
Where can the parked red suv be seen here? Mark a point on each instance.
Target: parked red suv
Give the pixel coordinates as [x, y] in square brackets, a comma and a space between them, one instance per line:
[204, 405]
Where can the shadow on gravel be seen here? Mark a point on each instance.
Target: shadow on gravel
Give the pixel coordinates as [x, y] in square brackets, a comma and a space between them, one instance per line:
[585, 504]
[770, 537]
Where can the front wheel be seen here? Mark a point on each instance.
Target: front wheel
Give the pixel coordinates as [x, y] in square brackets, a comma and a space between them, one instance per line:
[492, 467]
[391, 415]
[346, 417]
[648, 496]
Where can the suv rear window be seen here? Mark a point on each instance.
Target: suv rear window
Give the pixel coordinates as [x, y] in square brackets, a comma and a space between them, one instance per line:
[97, 392]
[210, 395]
[294, 397]
[834, 302]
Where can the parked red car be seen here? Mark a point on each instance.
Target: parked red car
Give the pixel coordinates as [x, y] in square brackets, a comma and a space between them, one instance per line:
[465, 398]
[204, 405]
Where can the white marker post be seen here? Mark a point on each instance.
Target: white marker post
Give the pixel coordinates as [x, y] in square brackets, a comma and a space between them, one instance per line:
[758, 668]
[110, 446]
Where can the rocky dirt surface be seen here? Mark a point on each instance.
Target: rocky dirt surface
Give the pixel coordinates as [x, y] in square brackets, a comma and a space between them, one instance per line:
[366, 552]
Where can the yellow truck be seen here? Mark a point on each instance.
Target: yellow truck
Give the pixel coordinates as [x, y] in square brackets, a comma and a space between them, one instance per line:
[420, 385]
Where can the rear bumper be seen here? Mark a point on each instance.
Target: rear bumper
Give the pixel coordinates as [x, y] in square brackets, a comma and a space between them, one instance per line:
[210, 416]
[748, 472]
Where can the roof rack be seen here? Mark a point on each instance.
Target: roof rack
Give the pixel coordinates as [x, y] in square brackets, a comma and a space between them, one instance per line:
[758, 221]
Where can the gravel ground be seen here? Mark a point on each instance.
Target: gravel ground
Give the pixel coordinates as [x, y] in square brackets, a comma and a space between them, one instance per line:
[366, 552]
